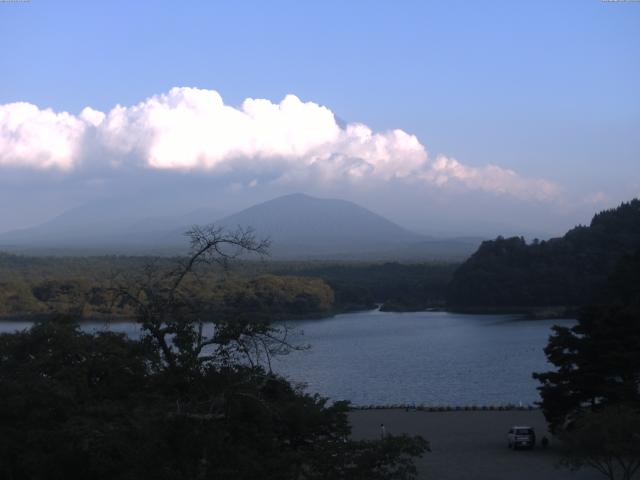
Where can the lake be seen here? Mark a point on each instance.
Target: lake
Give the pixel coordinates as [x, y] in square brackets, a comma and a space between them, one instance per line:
[431, 358]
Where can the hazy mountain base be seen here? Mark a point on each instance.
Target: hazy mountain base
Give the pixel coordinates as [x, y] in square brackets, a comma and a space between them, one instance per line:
[300, 227]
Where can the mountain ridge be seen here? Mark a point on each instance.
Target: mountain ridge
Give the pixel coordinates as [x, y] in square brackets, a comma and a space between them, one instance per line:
[300, 227]
[570, 270]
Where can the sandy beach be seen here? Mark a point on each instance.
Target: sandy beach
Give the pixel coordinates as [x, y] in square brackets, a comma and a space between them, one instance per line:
[471, 445]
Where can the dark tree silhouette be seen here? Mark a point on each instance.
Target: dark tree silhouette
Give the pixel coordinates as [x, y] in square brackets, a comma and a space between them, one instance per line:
[598, 360]
[175, 319]
[607, 441]
[193, 399]
[592, 398]
[567, 271]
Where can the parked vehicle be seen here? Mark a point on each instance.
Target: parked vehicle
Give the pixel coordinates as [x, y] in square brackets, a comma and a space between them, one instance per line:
[521, 436]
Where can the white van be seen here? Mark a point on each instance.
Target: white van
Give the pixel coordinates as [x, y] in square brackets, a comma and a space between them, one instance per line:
[521, 436]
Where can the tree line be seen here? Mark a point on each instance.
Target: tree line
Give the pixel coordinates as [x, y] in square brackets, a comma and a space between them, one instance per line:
[591, 399]
[567, 271]
[277, 297]
[193, 398]
[42, 285]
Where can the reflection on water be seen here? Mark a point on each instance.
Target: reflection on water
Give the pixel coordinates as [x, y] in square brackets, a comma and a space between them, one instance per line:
[433, 358]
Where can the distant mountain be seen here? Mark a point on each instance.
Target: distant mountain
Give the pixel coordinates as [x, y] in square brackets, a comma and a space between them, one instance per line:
[300, 227]
[299, 224]
[111, 226]
[567, 271]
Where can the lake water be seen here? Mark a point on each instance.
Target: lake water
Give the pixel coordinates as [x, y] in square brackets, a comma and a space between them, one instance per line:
[431, 358]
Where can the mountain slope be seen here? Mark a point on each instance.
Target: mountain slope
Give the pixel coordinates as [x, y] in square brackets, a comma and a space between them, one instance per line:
[107, 225]
[301, 227]
[571, 270]
[299, 223]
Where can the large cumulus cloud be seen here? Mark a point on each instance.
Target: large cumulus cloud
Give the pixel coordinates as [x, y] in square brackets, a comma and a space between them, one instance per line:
[192, 130]
[37, 138]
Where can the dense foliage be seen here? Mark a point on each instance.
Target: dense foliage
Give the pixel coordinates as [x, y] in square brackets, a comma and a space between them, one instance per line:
[80, 285]
[267, 295]
[194, 398]
[607, 440]
[72, 402]
[569, 271]
[597, 360]
[397, 286]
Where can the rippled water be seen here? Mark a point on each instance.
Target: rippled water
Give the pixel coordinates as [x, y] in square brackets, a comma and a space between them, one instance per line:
[432, 358]
[423, 358]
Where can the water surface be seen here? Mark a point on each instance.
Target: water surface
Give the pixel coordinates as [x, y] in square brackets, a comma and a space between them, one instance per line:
[433, 358]
[423, 358]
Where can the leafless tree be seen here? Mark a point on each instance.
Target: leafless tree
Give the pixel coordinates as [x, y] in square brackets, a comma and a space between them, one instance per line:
[181, 326]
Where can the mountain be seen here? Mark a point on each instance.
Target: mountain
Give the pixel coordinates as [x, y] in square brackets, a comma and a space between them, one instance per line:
[568, 271]
[300, 227]
[300, 223]
[107, 226]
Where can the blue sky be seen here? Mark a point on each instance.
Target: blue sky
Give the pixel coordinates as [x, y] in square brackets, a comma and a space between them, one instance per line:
[548, 89]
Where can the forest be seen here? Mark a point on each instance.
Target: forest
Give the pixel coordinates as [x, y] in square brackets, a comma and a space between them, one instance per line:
[181, 402]
[567, 271]
[395, 286]
[505, 274]
[40, 286]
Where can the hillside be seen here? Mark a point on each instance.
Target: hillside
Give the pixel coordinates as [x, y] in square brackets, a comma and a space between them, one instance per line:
[568, 271]
[109, 226]
[301, 227]
[299, 224]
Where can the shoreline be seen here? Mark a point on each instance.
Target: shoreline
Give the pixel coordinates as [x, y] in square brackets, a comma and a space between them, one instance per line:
[506, 407]
[550, 312]
[527, 313]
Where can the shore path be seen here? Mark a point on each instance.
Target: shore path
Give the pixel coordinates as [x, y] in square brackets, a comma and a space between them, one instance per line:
[471, 445]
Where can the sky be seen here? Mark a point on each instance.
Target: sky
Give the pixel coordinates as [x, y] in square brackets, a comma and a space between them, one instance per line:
[449, 117]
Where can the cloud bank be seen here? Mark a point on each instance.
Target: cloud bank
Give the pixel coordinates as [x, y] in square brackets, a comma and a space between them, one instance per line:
[192, 130]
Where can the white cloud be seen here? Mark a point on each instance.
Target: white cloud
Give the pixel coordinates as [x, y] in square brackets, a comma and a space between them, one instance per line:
[189, 129]
[489, 178]
[91, 116]
[38, 138]
[597, 199]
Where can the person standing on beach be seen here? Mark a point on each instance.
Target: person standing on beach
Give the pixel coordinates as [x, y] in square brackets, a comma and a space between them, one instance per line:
[383, 431]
